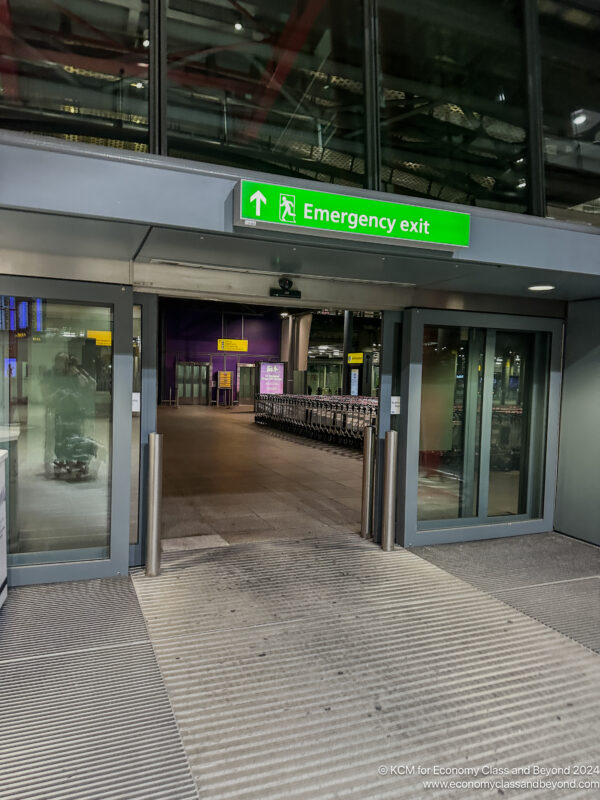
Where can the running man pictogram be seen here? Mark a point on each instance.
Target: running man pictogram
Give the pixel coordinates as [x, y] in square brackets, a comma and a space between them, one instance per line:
[287, 208]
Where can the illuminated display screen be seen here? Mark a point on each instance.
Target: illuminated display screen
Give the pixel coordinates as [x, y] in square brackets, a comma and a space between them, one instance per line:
[271, 378]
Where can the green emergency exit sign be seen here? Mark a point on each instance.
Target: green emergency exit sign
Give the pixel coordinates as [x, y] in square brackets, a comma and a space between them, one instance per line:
[273, 207]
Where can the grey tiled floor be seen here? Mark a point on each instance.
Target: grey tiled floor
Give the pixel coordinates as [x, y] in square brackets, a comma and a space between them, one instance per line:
[551, 577]
[225, 475]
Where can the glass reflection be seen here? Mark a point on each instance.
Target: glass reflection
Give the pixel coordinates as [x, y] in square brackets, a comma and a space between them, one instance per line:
[57, 422]
[77, 69]
[517, 424]
[453, 101]
[275, 87]
[570, 78]
[450, 426]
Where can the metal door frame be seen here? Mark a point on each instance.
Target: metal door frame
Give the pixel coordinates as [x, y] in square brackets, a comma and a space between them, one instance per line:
[444, 531]
[120, 299]
[149, 304]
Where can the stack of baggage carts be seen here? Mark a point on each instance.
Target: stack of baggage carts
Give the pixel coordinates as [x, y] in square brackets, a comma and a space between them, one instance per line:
[338, 420]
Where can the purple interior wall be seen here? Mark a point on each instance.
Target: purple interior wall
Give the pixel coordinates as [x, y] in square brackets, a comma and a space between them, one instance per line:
[190, 331]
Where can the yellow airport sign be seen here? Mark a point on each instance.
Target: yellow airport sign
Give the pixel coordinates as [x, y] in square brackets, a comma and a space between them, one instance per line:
[355, 358]
[103, 338]
[233, 345]
[225, 380]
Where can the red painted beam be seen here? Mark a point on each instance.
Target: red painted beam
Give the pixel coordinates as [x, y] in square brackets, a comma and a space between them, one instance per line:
[8, 68]
[286, 51]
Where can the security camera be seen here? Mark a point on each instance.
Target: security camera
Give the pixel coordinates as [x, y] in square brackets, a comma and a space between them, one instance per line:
[286, 284]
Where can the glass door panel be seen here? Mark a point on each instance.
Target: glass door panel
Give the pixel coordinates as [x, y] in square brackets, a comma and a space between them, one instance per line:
[246, 391]
[179, 379]
[450, 426]
[57, 423]
[195, 383]
[192, 380]
[484, 396]
[204, 384]
[518, 421]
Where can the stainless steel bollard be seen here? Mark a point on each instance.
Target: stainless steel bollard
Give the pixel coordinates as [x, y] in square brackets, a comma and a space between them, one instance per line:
[366, 526]
[388, 526]
[154, 504]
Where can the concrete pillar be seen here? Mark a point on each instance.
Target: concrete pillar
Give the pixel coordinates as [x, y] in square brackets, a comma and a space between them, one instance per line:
[347, 349]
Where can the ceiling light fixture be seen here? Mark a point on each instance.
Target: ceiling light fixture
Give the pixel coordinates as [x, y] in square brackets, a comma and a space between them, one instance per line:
[238, 26]
[541, 287]
[146, 43]
[579, 118]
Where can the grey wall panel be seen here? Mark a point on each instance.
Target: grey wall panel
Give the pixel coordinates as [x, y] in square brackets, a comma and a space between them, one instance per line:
[62, 183]
[578, 491]
[71, 268]
[60, 235]
[521, 240]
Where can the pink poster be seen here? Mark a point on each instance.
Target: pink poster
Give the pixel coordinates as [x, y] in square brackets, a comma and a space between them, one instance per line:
[271, 378]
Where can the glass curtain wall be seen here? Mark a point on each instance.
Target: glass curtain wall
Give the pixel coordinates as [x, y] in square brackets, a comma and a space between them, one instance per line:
[56, 392]
[484, 396]
[453, 101]
[279, 88]
[76, 69]
[571, 102]
[275, 87]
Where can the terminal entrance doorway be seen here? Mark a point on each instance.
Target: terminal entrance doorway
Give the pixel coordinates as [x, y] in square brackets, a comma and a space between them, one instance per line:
[475, 399]
[233, 474]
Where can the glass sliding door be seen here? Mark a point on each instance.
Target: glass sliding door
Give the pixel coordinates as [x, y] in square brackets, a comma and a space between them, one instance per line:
[57, 387]
[192, 382]
[450, 422]
[518, 422]
[483, 421]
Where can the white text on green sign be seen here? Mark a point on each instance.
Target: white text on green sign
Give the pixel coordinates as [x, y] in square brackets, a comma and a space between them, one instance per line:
[331, 214]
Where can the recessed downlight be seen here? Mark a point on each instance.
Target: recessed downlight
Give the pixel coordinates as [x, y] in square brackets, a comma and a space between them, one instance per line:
[541, 287]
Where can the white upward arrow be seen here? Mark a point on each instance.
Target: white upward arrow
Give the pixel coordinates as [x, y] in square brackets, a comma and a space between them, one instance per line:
[258, 198]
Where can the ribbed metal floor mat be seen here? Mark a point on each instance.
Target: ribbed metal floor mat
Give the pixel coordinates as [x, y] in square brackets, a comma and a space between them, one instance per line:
[65, 616]
[84, 714]
[573, 607]
[514, 561]
[306, 669]
[550, 577]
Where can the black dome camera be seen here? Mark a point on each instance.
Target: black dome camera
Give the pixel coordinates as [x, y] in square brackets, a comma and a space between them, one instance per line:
[286, 284]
